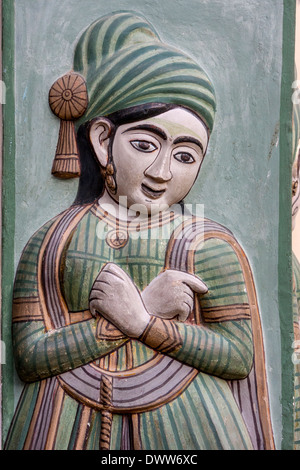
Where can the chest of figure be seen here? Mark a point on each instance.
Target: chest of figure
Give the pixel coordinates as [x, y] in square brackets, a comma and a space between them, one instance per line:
[94, 243]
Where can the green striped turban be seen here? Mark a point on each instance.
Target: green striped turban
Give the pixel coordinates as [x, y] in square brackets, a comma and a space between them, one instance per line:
[125, 64]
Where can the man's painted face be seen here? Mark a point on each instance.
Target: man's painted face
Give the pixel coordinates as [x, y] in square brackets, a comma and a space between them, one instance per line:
[157, 160]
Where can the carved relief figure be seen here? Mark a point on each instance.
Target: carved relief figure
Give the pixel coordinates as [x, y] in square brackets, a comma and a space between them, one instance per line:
[135, 326]
[296, 275]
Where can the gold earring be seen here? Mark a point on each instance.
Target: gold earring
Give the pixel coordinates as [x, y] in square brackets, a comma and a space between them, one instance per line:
[110, 177]
[294, 187]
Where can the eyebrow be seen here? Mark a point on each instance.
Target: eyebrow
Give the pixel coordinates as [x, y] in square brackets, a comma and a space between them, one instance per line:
[149, 127]
[192, 140]
[158, 131]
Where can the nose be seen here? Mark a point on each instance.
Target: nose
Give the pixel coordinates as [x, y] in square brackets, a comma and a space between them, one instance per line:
[159, 170]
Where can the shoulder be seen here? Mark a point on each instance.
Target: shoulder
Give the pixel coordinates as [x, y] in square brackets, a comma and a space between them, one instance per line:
[195, 235]
[35, 241]
[44, 245]
[219, 260]
[192, 227]
[211, 251]
[26, 279]
[56, 227]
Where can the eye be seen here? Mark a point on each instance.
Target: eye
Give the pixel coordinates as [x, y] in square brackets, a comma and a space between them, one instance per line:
[143, 146]
[184, 157]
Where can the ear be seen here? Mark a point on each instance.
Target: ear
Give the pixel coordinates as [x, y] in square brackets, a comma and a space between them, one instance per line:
[100, 131]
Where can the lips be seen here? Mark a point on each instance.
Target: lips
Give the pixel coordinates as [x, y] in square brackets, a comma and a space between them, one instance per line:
[151, 192]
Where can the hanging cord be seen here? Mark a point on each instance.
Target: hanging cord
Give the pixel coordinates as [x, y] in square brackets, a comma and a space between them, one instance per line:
[106, 415]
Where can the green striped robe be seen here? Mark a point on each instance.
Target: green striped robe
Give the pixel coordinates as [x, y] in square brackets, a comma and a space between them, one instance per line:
[204, 415]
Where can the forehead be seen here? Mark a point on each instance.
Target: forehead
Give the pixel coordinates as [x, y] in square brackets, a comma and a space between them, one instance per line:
[178, 122]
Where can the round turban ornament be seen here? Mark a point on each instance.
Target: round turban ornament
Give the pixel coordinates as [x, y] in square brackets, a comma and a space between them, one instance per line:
[123, 63]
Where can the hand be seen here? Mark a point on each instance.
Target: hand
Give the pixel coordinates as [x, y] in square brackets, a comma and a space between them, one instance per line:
[116, 298]
[171, 294]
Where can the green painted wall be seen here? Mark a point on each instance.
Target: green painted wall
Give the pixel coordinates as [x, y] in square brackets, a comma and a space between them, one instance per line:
[244, 180]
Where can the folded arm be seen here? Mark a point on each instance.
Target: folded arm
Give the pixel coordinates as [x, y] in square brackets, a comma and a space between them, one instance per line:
[224, 349]
[41, 351]
[220, 345]
[40, 354]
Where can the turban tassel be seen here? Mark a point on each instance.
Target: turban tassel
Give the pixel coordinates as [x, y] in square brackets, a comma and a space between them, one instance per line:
[68, 100]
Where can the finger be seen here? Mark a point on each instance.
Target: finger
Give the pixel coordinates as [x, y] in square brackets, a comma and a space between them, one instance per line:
[107, 280]
[193, 281]
[98, 290]
[183, 315]
[188, 292]
[114, 269]
[111, 272]
[96, 298]
[189, 301]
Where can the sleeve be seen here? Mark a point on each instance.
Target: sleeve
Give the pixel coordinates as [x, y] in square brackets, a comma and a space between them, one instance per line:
[220, 343]
[41, 352]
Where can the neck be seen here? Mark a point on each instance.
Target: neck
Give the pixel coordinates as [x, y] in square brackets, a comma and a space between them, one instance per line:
[118, 210]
